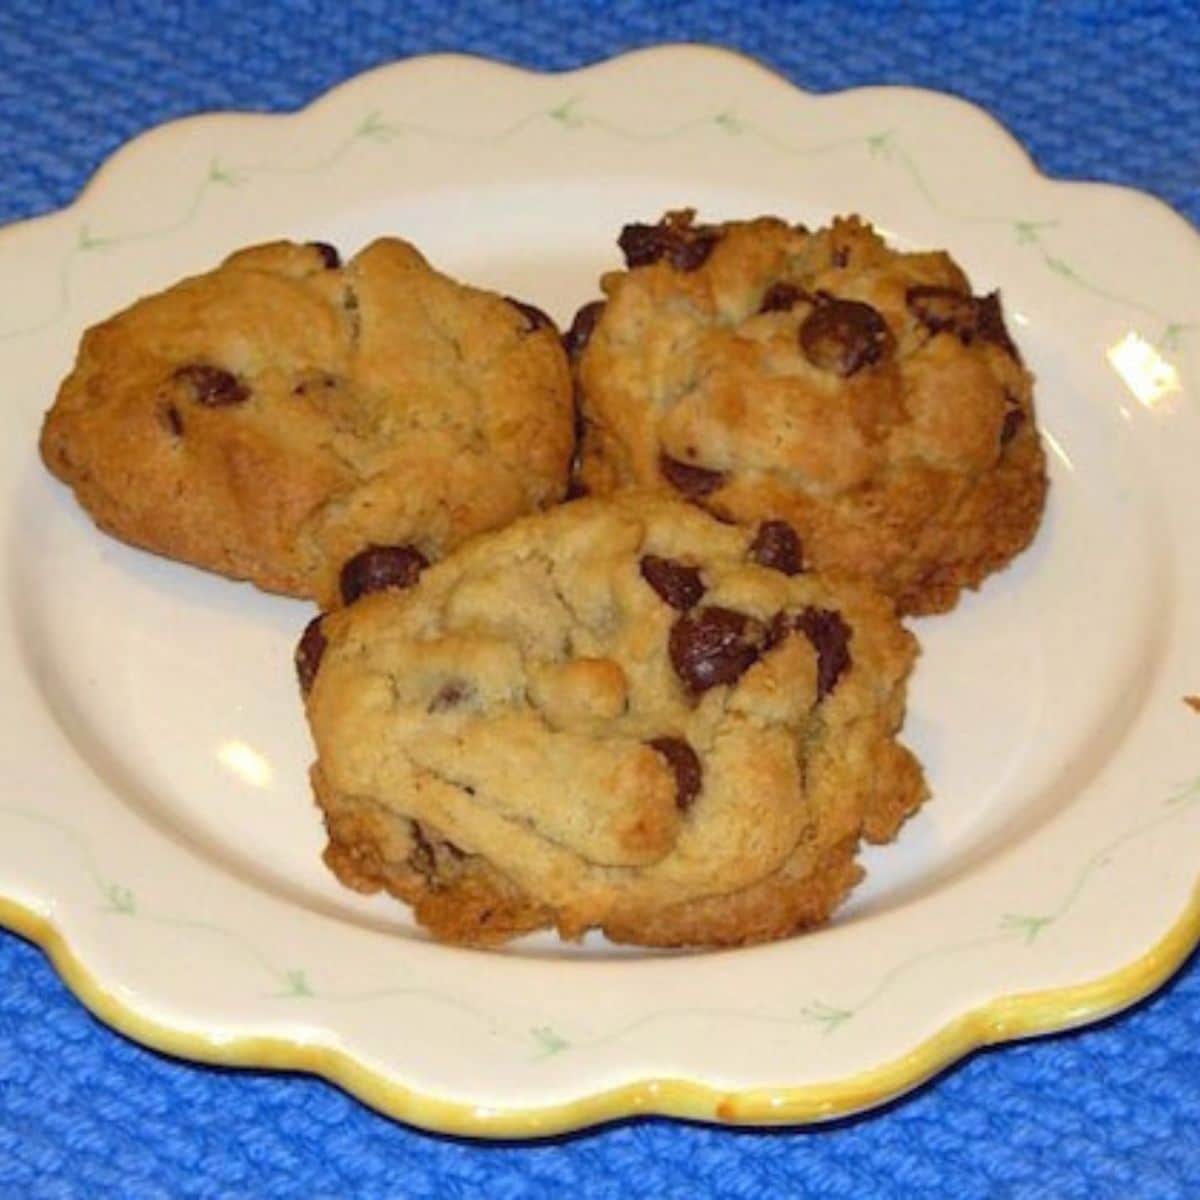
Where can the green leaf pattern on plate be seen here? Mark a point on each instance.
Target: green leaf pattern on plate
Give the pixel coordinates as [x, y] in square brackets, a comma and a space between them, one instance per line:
[543, 1042]
[375, 131]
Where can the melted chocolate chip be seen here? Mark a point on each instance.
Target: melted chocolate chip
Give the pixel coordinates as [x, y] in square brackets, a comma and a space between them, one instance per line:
[576, 489]
[329, 255]
[580, 333]
[990, 324]
[679, 585]
[172, 420]
[682, 760]
[693, 482]
[309, 651]
[431, 850]
[829, 636]
[844, 336]
[642, 244]
[450, 695]
[712, 646]
[691, 254]
[684, 245]
[379, 567]
[421, 858]
[841, 256]
[1014, 418]
[776, 545]
[212, 386]
[780, 297]
[942, 309]
[534, 317]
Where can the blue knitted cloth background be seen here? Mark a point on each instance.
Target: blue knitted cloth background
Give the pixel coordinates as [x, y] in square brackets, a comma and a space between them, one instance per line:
[1098, 90]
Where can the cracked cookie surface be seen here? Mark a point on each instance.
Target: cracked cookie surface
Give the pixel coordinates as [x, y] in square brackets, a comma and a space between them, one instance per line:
[621, 714]
[274, 417]
[861, 394]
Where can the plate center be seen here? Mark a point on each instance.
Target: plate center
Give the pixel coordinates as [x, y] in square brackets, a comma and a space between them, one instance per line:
[178, 686]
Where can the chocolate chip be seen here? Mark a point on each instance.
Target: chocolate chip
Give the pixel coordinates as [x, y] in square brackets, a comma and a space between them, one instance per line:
[534, 317]
[990, 324]
[1014, 418]
[711, 646]
[682, 760]
[576, 489]
[841, 256]
[829, 636]
[943, 310]
[450, 695]
[844, 336]
[691, 254]
[776, 545]
[212, 386]
[309, 651]
[694, 482]
[431, 852]
[172, 420]
[641, 244]
[379, 567]
[684, 245]
[780, 297]
[580, 333]
[679, 585]
[421, 858]
[329, 255]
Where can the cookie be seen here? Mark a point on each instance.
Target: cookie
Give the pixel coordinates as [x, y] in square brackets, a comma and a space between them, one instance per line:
[621, 714]
[274, 418]
[859, 393]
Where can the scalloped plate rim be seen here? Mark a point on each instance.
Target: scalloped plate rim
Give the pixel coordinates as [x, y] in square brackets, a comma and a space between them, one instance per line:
[999, 1019]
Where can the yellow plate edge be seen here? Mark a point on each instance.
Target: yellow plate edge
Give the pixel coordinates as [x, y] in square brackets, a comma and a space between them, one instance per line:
[1004, 1019]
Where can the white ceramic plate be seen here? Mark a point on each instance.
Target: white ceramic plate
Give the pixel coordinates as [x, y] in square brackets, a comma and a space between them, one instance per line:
[156, 830]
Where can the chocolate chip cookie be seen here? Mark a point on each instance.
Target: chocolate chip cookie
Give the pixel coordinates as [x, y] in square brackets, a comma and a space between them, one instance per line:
[284, 413]
[621, 714]
[863, 395]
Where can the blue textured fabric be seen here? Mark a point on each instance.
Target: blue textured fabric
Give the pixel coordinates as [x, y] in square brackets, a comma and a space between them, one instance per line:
[1097, 90]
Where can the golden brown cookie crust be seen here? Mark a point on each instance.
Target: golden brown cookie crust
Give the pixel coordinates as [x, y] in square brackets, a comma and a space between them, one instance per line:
[551, 728]
[271, 418]
[859, 393]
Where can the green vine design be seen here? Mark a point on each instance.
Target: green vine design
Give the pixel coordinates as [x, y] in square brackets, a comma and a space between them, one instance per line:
[1029, 234]
[116, 898]
[832, 1018]
[120, 901]
[570, 116]
[544, 1042]
[1027, 927]
[291, 983]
